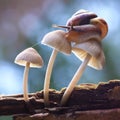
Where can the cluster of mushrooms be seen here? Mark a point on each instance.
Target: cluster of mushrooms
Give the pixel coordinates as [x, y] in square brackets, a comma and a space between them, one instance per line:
[83, 35]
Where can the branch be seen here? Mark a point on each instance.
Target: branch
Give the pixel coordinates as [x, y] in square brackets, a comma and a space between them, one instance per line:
[84, 99]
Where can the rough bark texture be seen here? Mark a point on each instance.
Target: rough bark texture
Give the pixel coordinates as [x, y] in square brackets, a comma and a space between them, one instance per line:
[113, 114]
[87, 101]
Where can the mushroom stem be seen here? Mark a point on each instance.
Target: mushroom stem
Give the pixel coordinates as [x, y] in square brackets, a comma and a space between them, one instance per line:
[75, 79]
[47, 77]
[25, 81]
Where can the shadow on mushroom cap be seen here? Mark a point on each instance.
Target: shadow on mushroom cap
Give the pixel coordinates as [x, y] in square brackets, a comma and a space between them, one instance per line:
[94, 48]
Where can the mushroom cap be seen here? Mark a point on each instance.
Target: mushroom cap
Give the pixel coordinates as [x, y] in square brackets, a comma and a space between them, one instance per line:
[57, 40]
[29, 55]
[94, 48]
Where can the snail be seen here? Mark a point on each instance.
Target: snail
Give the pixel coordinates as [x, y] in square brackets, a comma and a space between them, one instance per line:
[85, 17]
[81, 17]
[83, 33]
[84, 27]
[97, 29]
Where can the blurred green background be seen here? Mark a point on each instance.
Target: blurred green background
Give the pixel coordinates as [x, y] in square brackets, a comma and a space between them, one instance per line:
[23, 23]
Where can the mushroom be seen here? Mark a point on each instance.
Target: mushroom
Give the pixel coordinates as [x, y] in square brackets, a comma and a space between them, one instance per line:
[85, 32]
[90, 53]
[28, 58]
[56, 40]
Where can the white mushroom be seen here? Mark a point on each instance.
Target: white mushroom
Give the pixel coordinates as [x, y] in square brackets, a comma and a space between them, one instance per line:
[28, 58]
[90, 53]
[86, 42]
[58, 42]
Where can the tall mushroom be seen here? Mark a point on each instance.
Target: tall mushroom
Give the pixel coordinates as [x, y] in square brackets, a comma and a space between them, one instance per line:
[56, 40]
[84, 29]
[28, 58]
[90, 51]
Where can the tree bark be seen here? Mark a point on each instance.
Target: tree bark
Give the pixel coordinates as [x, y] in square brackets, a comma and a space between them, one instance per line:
[87, 101]
[112, 114]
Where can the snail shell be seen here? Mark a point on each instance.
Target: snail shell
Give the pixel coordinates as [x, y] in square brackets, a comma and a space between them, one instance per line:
[101, 24]
[81, 17]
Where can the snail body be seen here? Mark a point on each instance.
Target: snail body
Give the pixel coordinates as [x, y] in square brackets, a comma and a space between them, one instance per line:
[83, 33]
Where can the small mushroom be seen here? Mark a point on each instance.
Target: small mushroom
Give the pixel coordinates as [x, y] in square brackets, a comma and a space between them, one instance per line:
[28, 58]
[90, 53]
[56, 40]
